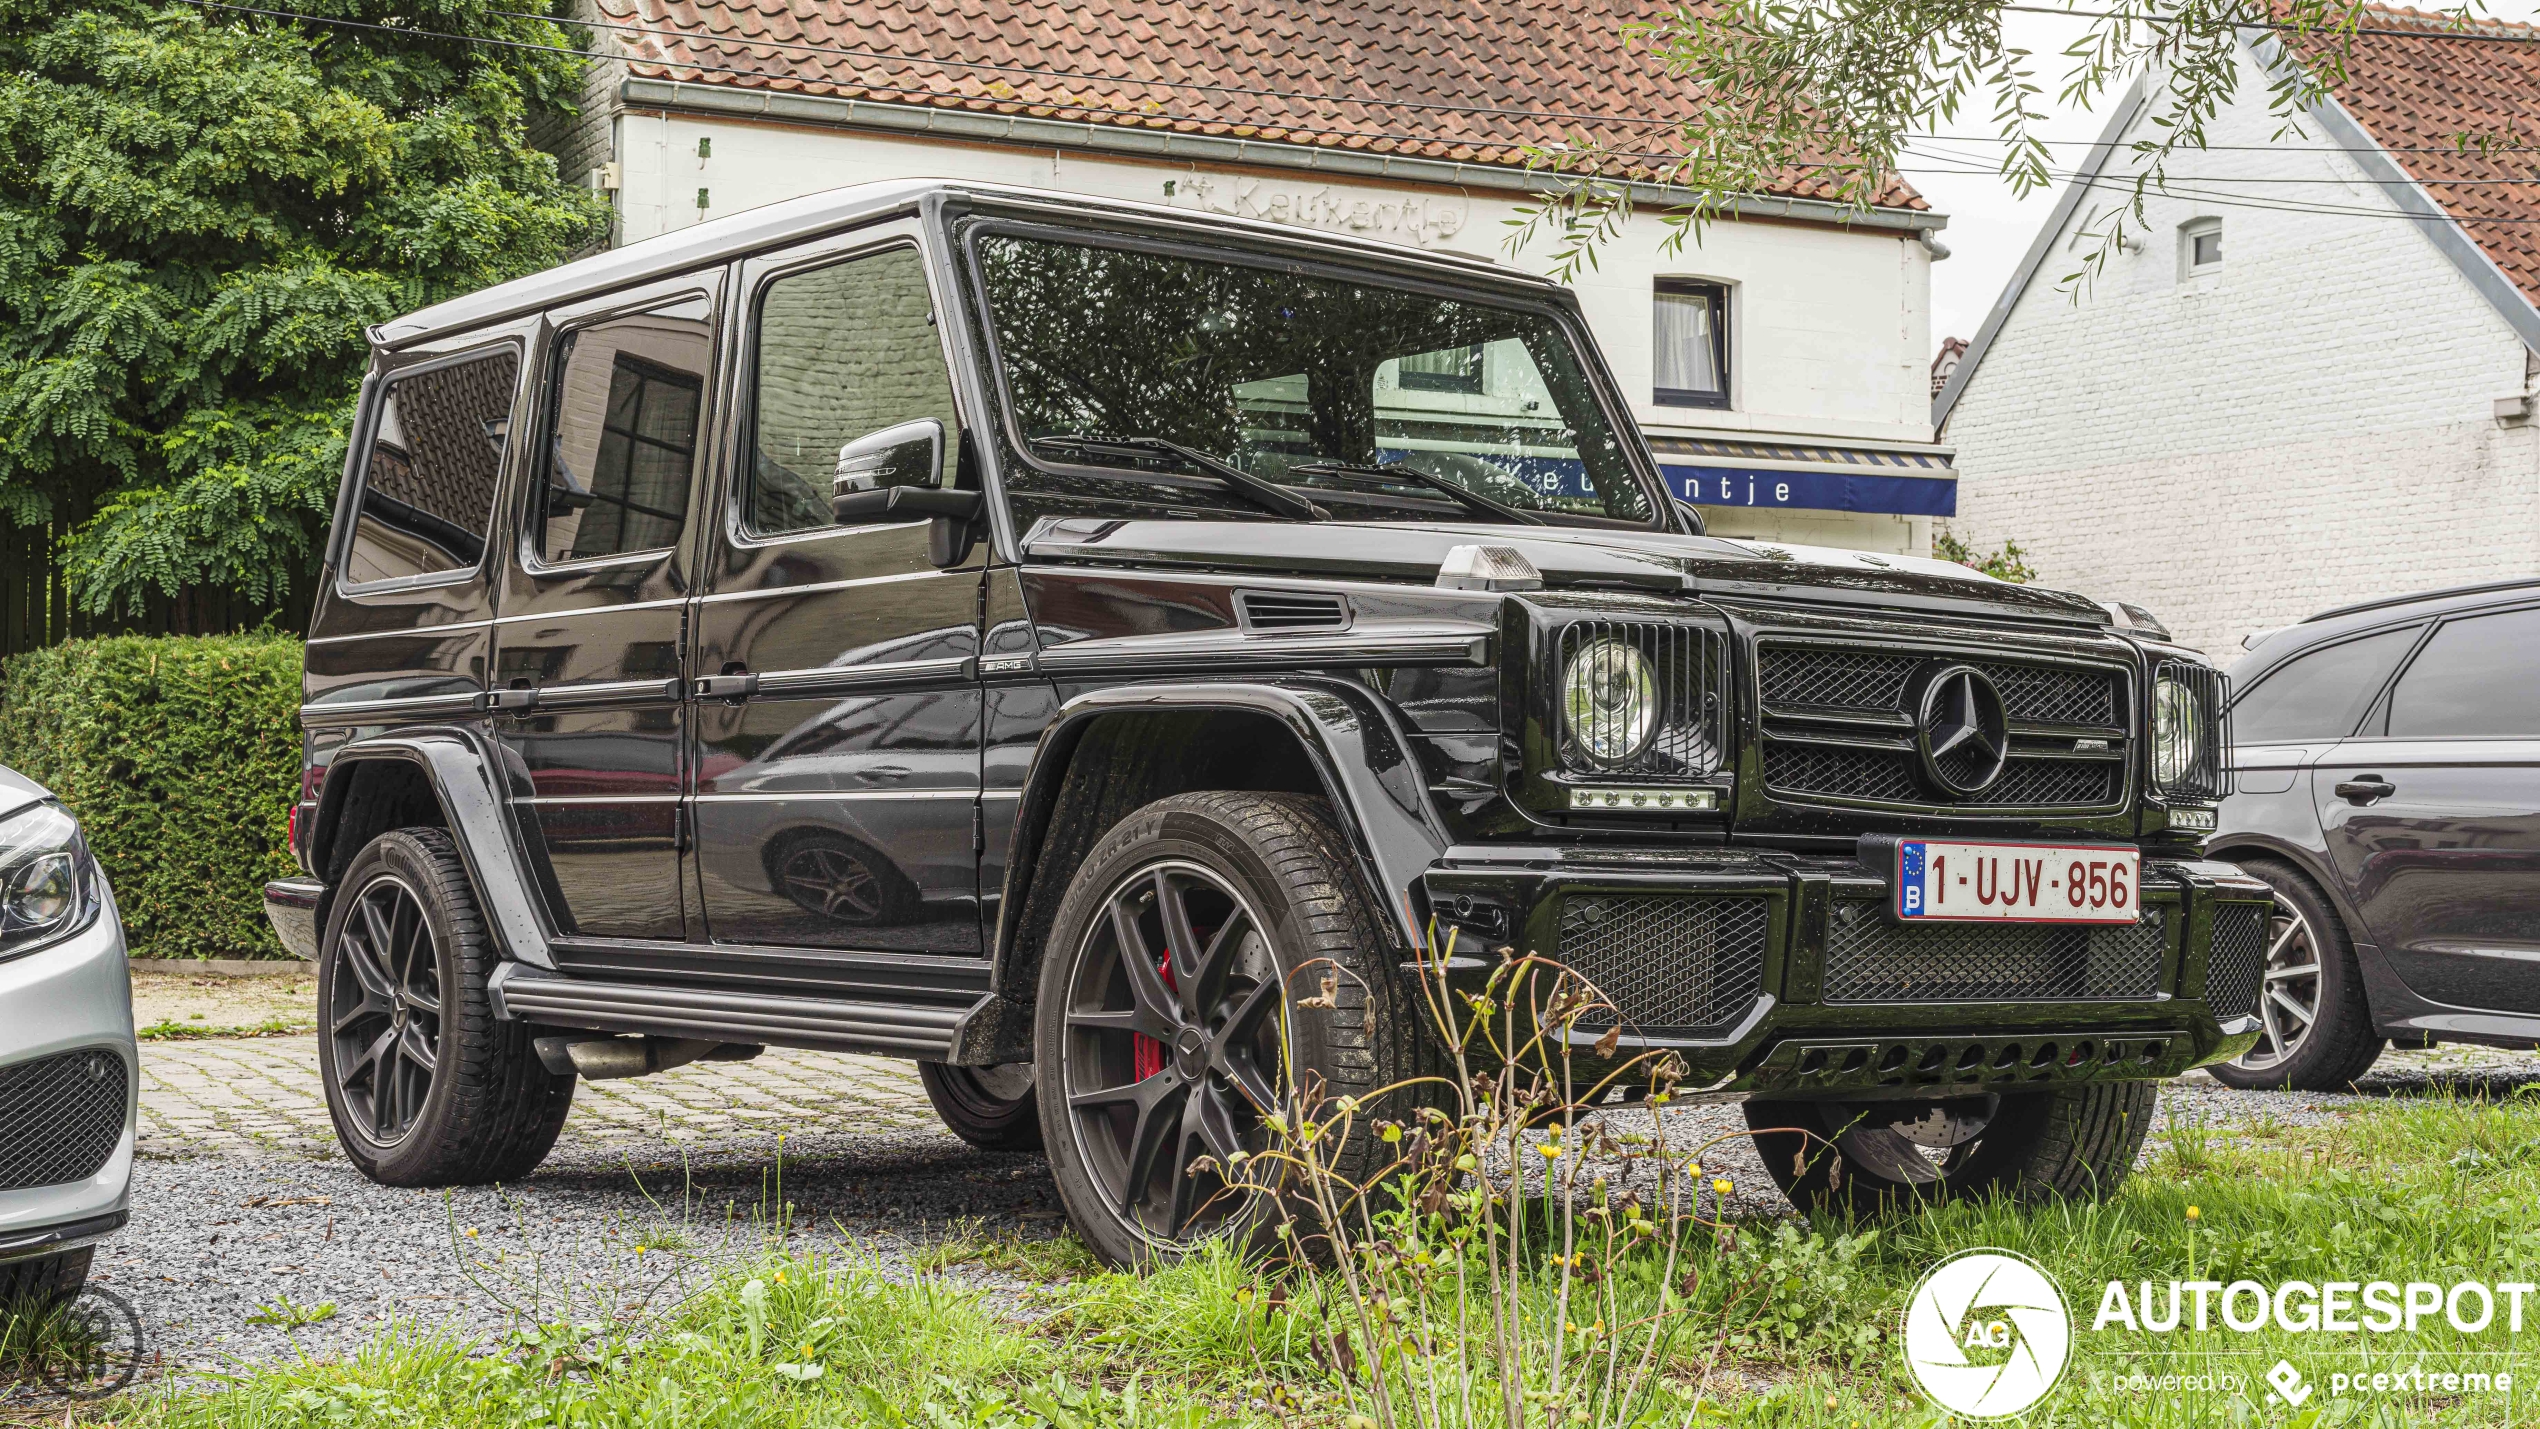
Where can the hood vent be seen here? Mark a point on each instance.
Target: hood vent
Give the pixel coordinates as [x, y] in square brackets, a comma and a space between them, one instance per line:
[1276, 610]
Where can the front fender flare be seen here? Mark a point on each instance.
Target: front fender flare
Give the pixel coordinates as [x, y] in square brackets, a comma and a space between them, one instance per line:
[1366, 766]
[465, 781]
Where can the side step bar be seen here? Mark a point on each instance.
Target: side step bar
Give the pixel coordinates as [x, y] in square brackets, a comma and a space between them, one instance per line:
[922, 1032]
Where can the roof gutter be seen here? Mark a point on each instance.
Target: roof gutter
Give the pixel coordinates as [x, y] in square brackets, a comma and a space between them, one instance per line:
[2437, 223]
[826, 111]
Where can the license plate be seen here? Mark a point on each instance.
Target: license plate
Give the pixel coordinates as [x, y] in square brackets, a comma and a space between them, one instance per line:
[2014, 883]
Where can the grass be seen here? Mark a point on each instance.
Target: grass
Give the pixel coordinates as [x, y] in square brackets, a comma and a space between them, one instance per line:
[171, 1030]
[2440, 1190]
[283, 1312]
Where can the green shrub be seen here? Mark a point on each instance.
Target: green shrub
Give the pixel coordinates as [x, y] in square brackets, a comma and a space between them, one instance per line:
[180, 755]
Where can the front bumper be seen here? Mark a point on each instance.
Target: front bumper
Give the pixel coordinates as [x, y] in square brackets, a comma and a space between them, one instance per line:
[71, 999]
[1780, 974]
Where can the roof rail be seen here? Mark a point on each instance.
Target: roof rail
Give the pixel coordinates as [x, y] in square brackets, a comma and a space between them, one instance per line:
[2524, 582]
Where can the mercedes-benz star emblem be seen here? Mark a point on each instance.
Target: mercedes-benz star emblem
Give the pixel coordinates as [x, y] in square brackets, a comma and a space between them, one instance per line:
[1962, 734]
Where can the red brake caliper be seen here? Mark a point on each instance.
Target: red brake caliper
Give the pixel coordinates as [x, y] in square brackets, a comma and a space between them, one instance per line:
[1146, 1055]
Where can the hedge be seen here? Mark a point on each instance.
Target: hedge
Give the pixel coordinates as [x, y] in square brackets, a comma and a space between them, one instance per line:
[180, 754]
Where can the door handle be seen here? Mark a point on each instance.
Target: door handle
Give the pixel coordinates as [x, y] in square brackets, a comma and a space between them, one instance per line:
[2365, 788]
[735, 685]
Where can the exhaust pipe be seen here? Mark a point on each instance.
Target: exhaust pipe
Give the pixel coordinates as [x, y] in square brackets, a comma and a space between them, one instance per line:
[610, 1058]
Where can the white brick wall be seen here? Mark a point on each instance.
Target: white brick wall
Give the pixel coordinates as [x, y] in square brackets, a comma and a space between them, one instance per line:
[2310, 426]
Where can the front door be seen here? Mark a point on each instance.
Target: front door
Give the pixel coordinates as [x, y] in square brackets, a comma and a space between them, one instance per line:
[587, 669]
[2433, 816]
[837, 801]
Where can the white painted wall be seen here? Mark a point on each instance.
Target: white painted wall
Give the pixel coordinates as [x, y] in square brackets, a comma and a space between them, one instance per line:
[1829, 329]
[2309, 426]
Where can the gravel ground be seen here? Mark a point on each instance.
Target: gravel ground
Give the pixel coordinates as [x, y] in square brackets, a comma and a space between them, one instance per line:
[216, 1236]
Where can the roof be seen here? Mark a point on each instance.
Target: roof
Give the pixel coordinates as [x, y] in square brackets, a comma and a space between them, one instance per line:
[794, 220]
[2410, 113]
[2420, 97]
[1461, 81]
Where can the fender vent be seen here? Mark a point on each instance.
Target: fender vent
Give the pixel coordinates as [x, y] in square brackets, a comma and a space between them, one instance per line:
[1291, 610]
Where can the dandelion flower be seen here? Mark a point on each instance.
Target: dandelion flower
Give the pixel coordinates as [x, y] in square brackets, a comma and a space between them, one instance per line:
[1551, 1150]
[2193, 1213]
[1721, 1186]
[471, 1232]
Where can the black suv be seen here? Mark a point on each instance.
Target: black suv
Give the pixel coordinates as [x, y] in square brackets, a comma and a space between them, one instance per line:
[1019, 633]
[2388, 760]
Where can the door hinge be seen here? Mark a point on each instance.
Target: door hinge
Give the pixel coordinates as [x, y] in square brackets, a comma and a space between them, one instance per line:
[679, 816]
[978, 828]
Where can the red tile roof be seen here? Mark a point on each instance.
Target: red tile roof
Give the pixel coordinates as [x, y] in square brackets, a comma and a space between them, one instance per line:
[1466, 80]
[2429, 100]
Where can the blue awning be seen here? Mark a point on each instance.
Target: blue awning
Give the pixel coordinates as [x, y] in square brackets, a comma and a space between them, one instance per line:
[1709, 472]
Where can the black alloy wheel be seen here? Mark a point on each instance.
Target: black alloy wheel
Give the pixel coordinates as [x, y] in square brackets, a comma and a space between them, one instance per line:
[425, 1085]
[1173, 1047]
[385, 1019]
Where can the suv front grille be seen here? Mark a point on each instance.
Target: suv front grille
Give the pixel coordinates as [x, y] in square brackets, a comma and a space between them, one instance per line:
[60, 1117]
[1871, 959]
[1669, 962]
[1839, 723]
[2239, 958]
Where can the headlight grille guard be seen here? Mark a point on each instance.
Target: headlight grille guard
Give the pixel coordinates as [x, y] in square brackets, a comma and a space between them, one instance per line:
[2206, 778]
[1689, 665]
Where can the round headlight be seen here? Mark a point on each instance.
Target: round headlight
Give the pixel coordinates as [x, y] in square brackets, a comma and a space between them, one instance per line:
[1609, 700]
[2178, 721]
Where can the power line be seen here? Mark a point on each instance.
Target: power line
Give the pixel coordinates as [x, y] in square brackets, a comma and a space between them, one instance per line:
[2280, 27]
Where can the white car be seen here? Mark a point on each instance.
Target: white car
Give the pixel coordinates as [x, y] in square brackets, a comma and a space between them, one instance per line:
[69, 1069]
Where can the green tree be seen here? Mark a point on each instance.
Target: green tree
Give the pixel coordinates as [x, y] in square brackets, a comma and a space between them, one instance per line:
[1836, 88]
[200, 211]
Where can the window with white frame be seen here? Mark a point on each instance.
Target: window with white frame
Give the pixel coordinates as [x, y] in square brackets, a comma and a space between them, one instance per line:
[2200, 248]
[1690, 333]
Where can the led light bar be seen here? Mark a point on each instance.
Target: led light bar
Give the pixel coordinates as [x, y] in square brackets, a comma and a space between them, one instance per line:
[2197, 820]
[1648, 801]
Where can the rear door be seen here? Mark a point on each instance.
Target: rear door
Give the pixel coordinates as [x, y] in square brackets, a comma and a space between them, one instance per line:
[2432, 816]
[588, 673]
[838, 744]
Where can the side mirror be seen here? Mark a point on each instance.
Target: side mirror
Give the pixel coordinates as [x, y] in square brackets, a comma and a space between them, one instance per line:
[890, 475]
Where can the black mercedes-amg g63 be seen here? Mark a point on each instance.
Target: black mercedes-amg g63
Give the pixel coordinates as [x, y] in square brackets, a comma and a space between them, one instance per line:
[1016, 632]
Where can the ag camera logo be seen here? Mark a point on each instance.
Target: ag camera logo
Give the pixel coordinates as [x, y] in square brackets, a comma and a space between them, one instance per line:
[1987, 1334]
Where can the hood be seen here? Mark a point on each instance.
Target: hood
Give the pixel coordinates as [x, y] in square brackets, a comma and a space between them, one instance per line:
[1568, 556]
[17, 791]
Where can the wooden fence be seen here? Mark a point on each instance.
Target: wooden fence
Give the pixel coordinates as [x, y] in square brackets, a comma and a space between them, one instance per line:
[35, 605]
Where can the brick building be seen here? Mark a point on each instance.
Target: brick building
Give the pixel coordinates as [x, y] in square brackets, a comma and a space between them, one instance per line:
[1779, 366]
[2311, 380]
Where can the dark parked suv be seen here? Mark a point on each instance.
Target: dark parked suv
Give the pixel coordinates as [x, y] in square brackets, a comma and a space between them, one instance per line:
[2388, 760]
[1020, 633]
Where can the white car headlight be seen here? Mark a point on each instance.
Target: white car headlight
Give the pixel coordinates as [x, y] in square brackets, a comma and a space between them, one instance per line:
[1609, 700]
[2178, 731]
[48, 883]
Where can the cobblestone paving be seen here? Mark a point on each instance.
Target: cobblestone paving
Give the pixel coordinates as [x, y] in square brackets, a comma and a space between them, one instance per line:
[261, 1096]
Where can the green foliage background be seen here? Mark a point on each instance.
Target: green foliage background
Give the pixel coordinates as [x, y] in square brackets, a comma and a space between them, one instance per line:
[180, 755]
[200, 211]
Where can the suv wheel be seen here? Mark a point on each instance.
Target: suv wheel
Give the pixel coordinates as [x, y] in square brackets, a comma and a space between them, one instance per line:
[2073, 1141]
[2316, 1026]
[992, 1108]
[425, 1087]
[1188, 932]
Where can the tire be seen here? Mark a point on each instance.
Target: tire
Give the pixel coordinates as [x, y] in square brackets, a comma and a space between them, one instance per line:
[977, 1112]
[425, 1086]
[2339, 1045]
[1271, 878]
[2073, 1142]
[40, 1282]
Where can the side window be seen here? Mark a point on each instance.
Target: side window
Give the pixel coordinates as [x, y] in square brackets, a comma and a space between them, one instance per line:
[2319, 695]
[428, 485]
[629, 399]
[2477, 676]
[843, 352]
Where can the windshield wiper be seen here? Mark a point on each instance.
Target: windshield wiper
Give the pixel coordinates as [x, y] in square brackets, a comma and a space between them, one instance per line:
[1267, 494]
[1393, 469]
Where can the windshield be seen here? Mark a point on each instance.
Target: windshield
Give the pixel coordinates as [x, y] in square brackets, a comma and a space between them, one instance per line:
[1141, 377]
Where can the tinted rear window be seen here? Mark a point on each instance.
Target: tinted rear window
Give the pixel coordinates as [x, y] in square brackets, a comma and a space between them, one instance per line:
[2478, 676]
[2319, 695]
[428, 487]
